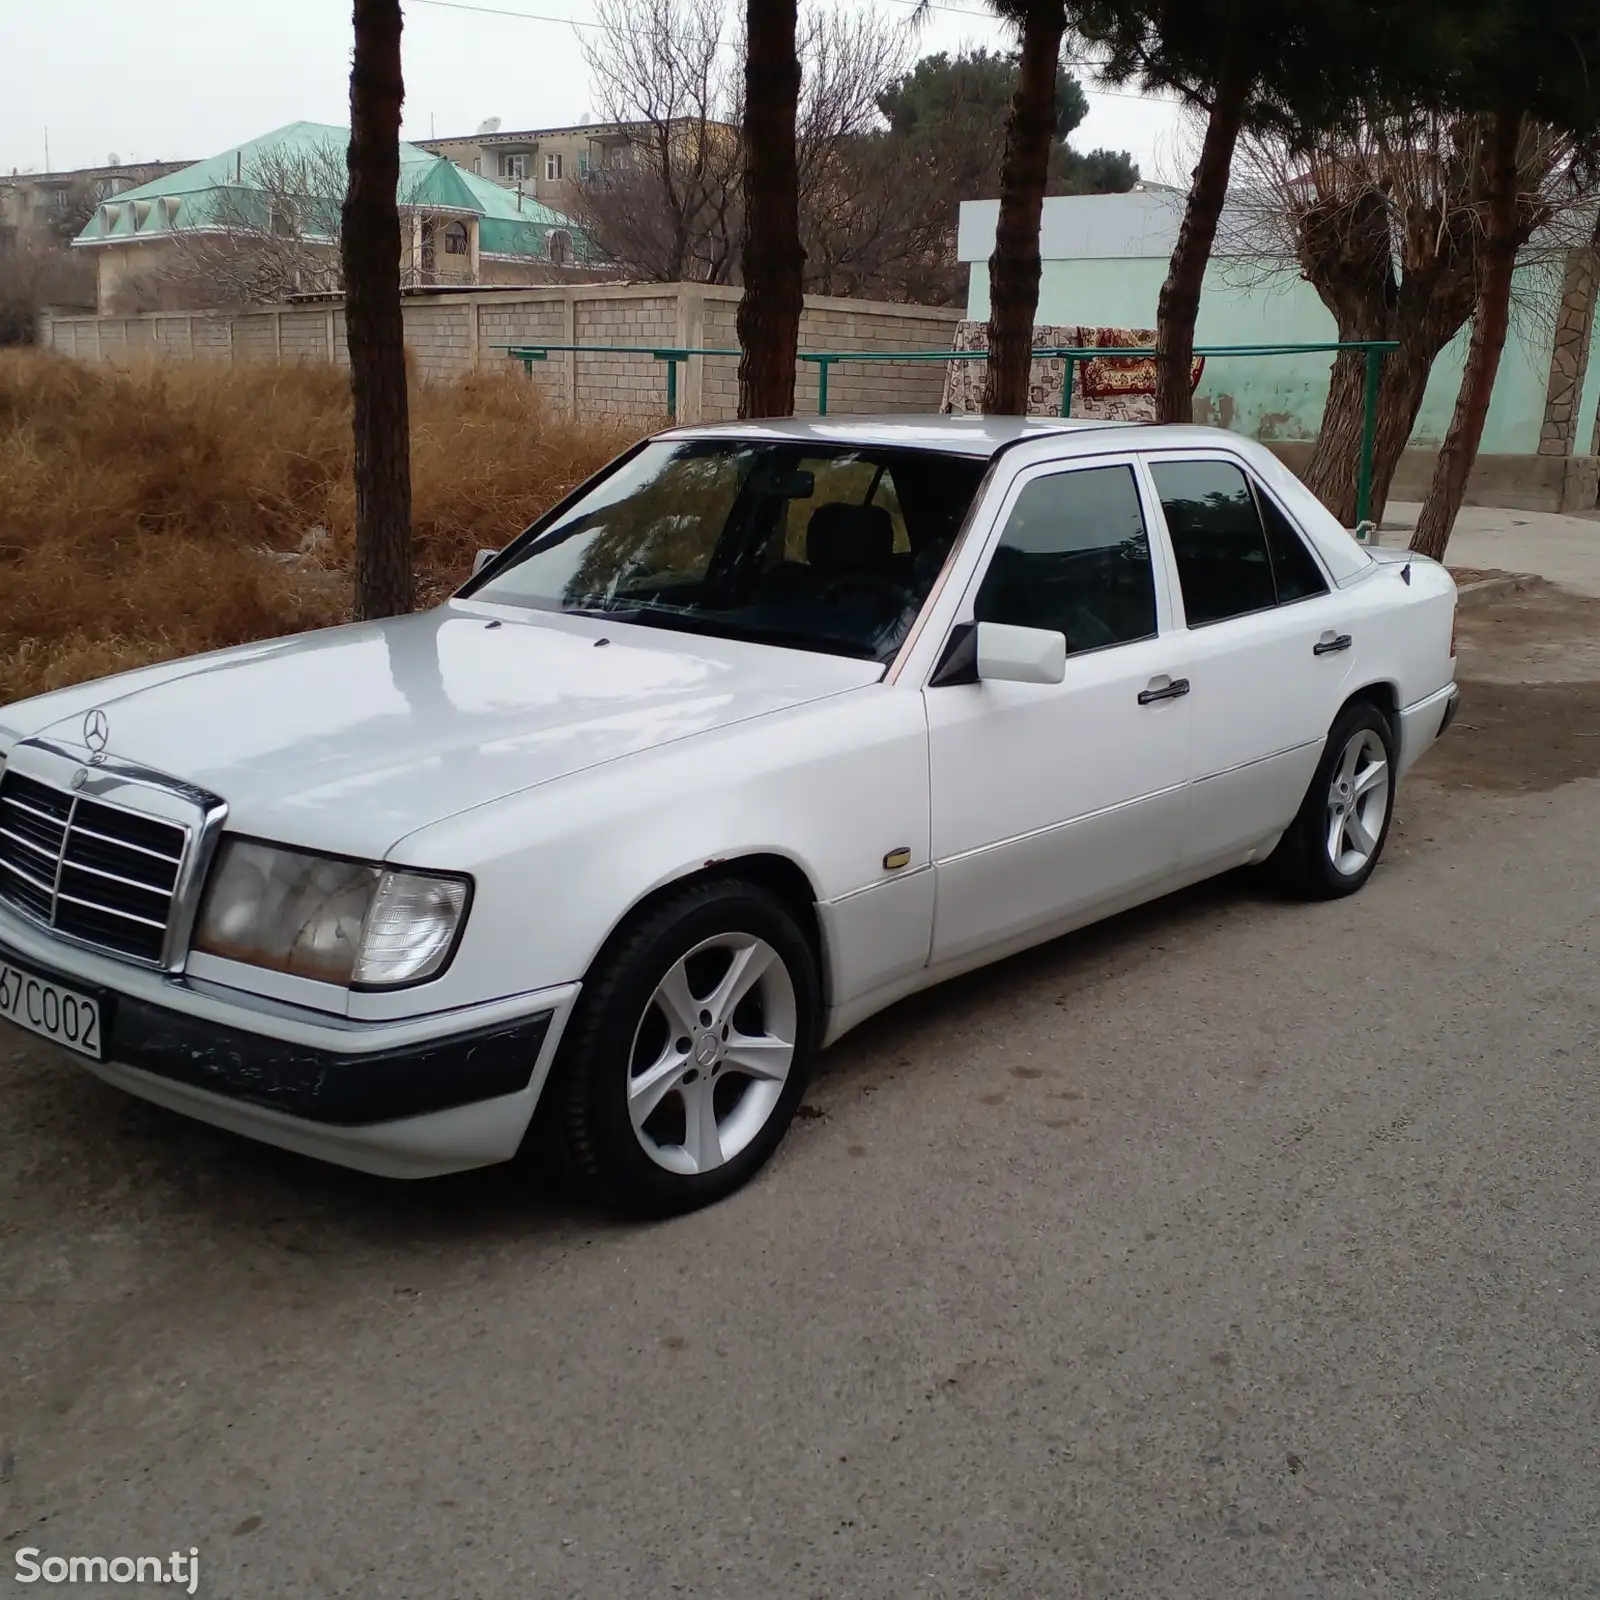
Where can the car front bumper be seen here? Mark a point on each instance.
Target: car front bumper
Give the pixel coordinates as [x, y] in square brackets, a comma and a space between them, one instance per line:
[409, 1099]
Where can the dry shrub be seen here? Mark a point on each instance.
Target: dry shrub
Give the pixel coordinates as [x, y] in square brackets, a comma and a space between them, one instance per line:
[155, 511]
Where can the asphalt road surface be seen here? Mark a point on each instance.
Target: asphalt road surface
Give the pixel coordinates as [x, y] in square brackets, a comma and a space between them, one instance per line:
[1235, 1248]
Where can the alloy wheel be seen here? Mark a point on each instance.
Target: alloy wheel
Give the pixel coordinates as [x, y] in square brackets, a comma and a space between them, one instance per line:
[711, 1053]
[1358, 802]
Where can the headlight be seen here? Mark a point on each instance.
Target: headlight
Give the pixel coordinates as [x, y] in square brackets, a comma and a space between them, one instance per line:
[349, 922]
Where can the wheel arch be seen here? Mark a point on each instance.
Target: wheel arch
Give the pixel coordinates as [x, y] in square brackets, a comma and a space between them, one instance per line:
[1382, 694]
[780, 875]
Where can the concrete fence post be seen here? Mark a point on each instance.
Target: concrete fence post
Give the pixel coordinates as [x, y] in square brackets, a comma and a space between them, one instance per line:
[569, 335]
[692, 336]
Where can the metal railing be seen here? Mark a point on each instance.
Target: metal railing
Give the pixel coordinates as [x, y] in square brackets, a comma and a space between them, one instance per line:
[1069, 355]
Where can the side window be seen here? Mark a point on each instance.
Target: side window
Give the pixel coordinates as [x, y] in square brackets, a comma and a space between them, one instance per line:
[1074, 557]
[1295, 568]
[1217, 539]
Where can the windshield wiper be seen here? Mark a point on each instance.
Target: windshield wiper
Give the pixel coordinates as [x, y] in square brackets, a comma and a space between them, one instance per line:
[655, 614]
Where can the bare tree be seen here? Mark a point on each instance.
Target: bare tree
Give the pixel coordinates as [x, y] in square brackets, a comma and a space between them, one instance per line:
[884, 150]
[664, 203]
[270, 234]
[850, 213]
[669, 205]
[1519, 201]
[374, 329]
[38, 272]
[1385, 220]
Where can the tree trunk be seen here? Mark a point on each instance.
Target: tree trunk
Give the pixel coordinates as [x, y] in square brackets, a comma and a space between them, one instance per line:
[773, 261]
[369, 249]
[1490, 321]
[1179, 304]
[1014, 267]
[1335, 462]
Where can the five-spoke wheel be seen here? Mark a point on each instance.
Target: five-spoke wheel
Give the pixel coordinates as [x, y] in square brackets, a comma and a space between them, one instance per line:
[712, 1053]
[690, 1047]
[1334, 843]
[1358, 802]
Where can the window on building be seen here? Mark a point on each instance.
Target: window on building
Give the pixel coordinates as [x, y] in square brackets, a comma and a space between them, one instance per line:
[583, 163]
[477, 165]
[552, 167]
[456, 242]
[1074, 558]
[513, 166]
[560, 248]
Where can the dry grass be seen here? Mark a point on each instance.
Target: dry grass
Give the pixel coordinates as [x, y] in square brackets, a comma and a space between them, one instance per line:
[157, 511]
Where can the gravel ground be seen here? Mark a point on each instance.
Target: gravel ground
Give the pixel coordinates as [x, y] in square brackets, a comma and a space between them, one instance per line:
[1233, 1248]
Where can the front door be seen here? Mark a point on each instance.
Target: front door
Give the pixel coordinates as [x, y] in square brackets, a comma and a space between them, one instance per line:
[1051, 800]
[1268, 652]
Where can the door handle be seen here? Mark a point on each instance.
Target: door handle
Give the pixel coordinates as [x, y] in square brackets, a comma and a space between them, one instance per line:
[1327, 647]
[1175, 690]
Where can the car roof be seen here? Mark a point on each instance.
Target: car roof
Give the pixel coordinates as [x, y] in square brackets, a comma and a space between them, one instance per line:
[970, 436]
[984, 437]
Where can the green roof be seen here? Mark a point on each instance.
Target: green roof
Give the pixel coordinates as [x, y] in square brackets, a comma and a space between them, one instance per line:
[235, 186]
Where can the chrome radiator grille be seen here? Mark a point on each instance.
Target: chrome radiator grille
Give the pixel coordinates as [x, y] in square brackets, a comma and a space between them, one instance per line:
[94, 872]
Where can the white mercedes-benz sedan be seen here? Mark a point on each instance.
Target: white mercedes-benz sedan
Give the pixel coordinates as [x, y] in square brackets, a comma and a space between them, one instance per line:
[764, 727]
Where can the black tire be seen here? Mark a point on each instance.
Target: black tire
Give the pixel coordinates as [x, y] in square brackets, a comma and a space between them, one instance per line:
[1303, 863]
[588, 1098]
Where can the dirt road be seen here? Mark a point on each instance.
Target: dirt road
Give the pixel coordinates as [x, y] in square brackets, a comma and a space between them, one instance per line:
[1235, 1248]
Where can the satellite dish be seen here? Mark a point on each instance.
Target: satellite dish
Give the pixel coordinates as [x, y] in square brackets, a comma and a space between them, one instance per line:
[113, 160]
[489, 125]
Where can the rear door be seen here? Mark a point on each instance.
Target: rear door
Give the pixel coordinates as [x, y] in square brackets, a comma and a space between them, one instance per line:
[1269, 649]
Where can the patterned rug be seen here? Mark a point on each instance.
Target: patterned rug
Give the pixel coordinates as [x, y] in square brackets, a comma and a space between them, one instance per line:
[1108, 376]
[1106, 388]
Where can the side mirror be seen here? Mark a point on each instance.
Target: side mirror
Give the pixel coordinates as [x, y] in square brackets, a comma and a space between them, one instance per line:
[1020, 655]
[481, 560]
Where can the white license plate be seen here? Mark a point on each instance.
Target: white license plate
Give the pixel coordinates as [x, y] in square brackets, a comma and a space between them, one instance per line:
[42, 1007]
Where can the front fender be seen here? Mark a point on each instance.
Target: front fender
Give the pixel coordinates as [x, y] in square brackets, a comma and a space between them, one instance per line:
[834, 787]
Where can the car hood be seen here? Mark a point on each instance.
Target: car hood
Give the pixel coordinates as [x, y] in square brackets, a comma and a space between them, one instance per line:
[349, 739]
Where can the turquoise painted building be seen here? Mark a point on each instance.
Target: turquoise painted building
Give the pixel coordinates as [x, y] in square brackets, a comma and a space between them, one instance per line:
[457, 229]
[1105, 257]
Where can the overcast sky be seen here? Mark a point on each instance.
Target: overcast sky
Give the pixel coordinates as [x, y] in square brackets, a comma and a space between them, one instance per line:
[183, 79]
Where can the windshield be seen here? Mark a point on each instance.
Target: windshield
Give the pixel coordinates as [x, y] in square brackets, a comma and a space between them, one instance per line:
[815, 547]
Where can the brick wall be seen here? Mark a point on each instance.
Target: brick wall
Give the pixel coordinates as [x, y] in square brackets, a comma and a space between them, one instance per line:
[451, 335]
[255, 337]
[439, 335]
[303, 336]
[625, 385]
